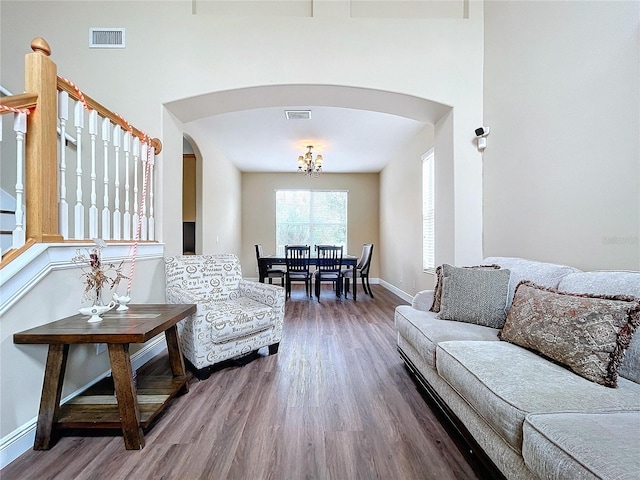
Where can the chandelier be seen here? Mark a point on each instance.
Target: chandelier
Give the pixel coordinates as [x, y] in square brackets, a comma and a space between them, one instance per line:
[308, 166]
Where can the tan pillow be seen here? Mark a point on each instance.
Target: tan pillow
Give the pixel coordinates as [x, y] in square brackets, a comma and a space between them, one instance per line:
[437, 294]
[586, 333]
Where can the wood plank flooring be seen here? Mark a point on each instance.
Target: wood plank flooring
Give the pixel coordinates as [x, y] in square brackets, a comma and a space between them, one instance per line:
[335, 403]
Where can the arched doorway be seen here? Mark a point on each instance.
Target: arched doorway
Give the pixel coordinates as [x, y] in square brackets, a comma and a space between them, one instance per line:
[189, 203]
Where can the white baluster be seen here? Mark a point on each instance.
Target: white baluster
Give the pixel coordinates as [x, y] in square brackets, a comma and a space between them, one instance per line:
[152, 221]
[20, 128]
[126, 228]
[116, 210]
[136, 159]
[106, 214]
[93, 208]
[78, 119]
[145, 175]
[63, 206]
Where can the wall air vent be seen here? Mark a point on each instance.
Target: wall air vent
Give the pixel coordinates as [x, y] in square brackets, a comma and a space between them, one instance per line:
[106, 38]
[298, 114]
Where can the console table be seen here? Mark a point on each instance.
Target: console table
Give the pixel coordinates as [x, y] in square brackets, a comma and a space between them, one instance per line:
[131, 410]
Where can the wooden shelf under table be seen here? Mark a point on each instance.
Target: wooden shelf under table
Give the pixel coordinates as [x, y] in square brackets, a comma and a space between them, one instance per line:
[97, 407]
[134, 408]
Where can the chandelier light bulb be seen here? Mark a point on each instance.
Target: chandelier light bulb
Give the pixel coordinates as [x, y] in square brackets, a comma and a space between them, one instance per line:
[308, 166]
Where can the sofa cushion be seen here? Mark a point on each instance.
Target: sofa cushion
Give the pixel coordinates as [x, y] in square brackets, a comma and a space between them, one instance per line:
[237, 318]
[423, 331]
[540, 273]
[474, 295]
[583, 445]
[588, 334]
[610, 283]
[503, 383]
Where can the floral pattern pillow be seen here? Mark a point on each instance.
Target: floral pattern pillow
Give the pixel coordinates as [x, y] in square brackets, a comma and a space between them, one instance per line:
[586, 333]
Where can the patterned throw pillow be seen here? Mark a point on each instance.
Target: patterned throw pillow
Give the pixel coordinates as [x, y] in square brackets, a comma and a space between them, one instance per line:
[474, 295]
[586, 333]
[437, 293]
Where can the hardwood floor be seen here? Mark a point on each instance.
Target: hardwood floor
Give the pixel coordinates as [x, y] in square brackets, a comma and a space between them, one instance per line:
[335, 402]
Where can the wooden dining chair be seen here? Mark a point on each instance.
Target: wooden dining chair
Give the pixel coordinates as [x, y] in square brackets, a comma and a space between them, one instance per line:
[297, 260]
[329, 265]
[264, 270]
[361, 270]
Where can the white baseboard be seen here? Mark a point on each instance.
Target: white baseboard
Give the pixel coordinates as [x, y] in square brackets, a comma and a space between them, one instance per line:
[21, 439]
[374, 281]
[403, 295]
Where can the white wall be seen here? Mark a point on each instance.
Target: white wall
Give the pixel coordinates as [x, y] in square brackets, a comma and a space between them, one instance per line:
[57, 293]
[219, 205]
[562, 166]
[173, 54]
[194, 54]
[259, 211]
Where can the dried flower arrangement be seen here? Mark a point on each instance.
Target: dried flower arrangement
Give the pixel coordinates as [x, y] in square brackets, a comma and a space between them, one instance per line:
[97, 275]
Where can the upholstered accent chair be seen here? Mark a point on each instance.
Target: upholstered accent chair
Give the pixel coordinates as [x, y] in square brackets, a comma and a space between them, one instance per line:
[361, 270]
[235, 317]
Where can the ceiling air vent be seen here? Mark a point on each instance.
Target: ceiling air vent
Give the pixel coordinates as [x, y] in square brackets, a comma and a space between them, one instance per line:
[106, 38]
[298, 114]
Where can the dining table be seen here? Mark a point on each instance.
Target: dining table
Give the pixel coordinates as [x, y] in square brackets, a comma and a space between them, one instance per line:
[268, 261]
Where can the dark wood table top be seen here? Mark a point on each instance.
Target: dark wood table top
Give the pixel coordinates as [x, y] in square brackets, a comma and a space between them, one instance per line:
[137, 325]
[313, 259]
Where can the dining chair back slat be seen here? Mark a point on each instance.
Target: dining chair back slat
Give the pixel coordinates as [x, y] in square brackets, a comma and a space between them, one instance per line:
[297, 261]
[329, 265]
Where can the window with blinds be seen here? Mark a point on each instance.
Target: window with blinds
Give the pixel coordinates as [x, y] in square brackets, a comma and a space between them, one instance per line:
[311, 217]
[428, 213]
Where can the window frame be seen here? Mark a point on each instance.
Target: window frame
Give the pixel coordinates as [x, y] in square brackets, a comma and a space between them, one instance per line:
[312, 192]
[428, 212]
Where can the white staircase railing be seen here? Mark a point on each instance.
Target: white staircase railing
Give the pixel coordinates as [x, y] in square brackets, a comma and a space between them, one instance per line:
[96, 153]
[14, 204]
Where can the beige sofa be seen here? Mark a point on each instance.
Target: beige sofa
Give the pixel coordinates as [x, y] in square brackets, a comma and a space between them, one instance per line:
[529, 416]
[235, 317]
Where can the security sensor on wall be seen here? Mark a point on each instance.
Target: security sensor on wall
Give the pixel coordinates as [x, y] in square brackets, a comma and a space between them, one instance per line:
[481, 136]
[482, 131]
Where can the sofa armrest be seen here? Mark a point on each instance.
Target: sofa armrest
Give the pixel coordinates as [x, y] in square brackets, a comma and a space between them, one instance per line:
[423, 300]
[263, 292]
[177, 295]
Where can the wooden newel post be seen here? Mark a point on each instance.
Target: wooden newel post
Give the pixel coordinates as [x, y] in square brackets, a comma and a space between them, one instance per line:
[41, 157]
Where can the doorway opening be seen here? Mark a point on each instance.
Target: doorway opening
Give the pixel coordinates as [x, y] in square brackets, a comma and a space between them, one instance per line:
[188, 199]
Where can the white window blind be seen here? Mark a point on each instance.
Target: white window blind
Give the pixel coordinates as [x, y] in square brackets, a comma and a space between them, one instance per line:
[311, 217]
[428, 212]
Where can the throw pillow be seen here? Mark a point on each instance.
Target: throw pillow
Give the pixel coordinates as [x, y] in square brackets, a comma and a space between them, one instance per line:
[474, 295]
[586, 333]
[437, 293]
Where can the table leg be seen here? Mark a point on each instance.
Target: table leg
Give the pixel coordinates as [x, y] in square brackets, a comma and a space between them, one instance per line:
[126, 394]
[175, 355]
[355, 285]
[51, 393]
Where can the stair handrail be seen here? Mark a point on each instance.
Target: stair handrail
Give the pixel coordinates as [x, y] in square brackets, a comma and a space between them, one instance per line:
[40, 100]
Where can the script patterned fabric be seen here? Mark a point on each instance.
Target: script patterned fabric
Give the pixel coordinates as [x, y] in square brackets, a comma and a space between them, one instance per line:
[234, 316]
